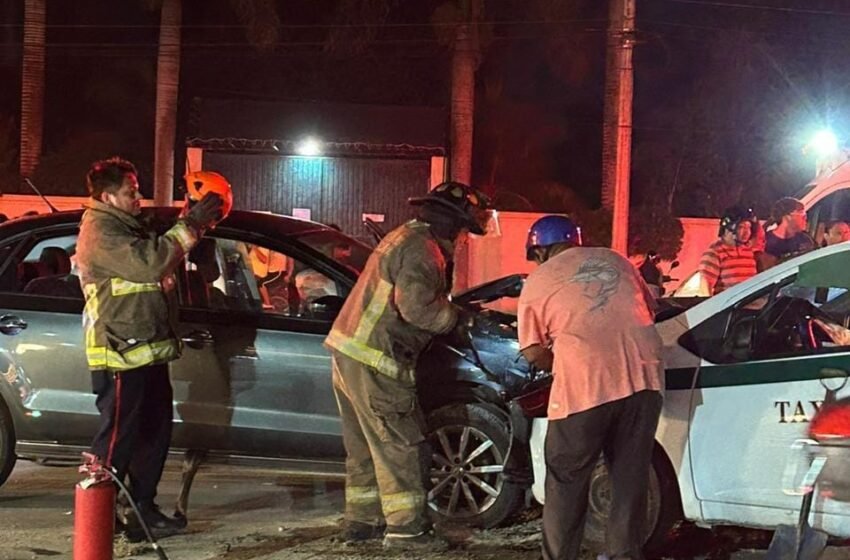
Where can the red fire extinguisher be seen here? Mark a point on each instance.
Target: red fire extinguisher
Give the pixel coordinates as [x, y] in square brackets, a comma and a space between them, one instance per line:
[94, 519]
[94, 512]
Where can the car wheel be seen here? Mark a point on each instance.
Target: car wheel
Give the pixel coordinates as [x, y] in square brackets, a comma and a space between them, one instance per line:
[664, 508]
[469, 444]
[7, 443]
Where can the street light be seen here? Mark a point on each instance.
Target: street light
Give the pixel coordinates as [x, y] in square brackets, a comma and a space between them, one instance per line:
[824, 143]
[309, 147]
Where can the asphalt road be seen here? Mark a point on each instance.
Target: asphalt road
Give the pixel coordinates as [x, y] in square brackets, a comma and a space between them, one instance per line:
[240, 514]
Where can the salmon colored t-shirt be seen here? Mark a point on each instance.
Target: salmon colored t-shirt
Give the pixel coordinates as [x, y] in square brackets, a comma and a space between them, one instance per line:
[594, 310]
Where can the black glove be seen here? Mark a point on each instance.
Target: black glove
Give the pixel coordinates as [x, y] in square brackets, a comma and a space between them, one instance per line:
[206, 213]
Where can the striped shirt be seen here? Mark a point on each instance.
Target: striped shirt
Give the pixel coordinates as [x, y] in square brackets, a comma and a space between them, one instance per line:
[724, 265]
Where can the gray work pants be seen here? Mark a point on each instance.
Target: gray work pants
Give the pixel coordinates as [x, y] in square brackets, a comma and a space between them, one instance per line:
[383, 429]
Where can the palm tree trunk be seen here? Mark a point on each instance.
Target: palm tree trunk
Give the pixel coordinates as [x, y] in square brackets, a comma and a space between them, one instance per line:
[167, 81]
[32, 86]
[464, 60]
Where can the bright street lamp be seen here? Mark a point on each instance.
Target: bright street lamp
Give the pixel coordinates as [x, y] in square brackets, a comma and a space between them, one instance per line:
[824, 143]
[309, 147]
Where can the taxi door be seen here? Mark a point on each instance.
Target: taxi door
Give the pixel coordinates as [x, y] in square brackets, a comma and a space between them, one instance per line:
[747, 412]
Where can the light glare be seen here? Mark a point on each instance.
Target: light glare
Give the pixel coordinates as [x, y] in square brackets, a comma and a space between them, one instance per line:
[825, 142]
[309, 147]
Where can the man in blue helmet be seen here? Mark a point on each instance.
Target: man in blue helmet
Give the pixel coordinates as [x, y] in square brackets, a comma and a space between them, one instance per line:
[585, 314]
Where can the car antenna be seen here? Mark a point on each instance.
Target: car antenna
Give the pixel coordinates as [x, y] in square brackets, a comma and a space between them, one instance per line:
[53, 209]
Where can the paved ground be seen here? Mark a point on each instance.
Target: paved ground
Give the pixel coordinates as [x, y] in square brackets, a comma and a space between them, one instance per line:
[239, 514]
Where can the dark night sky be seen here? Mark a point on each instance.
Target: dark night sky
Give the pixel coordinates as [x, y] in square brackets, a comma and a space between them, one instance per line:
[725, 95]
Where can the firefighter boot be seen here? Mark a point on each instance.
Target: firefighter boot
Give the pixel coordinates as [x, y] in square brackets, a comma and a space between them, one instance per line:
[355, 532]
[424, 541]
[159, 524]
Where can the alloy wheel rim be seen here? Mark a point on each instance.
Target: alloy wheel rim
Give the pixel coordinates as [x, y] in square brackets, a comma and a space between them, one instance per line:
[467, 472]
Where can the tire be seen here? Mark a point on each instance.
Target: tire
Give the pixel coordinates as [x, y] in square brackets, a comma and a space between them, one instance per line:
[468, 482]
[7, 443]
[664, 508]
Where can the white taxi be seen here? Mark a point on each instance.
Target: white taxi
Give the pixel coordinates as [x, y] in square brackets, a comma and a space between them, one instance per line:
[746, 370]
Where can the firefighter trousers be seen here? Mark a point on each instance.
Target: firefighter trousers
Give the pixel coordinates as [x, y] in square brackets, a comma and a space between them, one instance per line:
[135, 425]
[622, 430]
[386, 453]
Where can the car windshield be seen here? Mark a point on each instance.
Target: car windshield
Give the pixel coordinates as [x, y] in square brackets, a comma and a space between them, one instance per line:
[338, 246]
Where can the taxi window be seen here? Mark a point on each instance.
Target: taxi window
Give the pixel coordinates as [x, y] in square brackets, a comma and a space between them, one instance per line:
[727, 336]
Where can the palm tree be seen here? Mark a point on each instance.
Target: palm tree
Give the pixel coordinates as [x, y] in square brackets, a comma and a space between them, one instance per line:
[167, 81]
[262, 24]
[457, 25]
[32, 86]
[464, 38]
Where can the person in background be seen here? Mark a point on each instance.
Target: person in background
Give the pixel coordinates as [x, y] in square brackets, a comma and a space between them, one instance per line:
[836, 232]
[730, 260]
[586, 315]
[789, 238]
[651, 273]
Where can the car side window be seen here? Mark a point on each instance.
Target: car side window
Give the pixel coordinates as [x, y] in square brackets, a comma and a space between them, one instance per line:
[225, 274]
[728, 336]
[47, 269]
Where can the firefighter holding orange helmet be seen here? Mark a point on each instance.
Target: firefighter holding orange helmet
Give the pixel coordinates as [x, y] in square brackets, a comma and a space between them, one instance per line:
[126, 273]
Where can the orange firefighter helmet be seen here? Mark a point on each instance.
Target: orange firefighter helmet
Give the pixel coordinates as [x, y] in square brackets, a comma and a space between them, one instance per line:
[199, 183]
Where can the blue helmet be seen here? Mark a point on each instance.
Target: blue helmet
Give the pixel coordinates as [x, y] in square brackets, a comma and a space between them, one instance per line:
[550, 230]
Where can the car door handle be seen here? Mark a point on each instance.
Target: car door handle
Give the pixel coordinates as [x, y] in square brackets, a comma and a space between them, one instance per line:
[12, 324]
[196, 339]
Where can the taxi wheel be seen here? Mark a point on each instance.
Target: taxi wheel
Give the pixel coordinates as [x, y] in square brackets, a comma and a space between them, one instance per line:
[469, 443]
[664, 507]
[7, 443]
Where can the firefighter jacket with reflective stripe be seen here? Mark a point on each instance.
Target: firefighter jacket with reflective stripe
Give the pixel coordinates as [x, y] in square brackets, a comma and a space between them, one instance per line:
[399, 303]
[126, 272]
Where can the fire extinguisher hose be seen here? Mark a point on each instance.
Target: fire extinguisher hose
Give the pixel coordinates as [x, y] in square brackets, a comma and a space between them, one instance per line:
[160, 552]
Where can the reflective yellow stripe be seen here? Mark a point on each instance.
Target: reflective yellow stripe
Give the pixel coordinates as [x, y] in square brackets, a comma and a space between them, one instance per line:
[100, 357]
[184, 235]
[121, 287]
[402, 501]
[90, 314]
[361, 494]
[355, 347]
[373, 310]
[363, 354]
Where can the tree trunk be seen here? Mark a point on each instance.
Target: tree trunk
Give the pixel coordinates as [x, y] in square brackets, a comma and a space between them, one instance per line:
[617, 121]
[32, 86]
[167, 80]
[464, 60]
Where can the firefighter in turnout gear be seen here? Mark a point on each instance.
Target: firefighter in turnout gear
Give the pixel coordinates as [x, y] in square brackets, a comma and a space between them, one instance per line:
[126, 272]
[399, 303]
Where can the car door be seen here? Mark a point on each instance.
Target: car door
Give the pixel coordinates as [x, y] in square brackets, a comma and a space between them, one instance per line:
[45, 378]
[758, 386]
[254, 377]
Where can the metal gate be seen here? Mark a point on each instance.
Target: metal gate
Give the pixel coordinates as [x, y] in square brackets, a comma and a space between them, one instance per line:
[335, 190]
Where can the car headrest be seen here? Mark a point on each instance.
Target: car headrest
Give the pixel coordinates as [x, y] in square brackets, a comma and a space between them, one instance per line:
[55, 260]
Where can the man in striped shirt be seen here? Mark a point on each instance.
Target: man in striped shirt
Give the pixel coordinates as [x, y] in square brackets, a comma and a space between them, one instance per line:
[730, 259]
